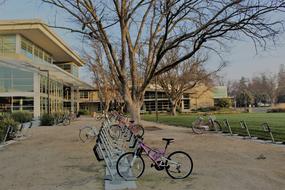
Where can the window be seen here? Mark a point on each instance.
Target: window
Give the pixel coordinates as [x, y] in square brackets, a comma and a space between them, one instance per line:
[7, 44]
[15, 80]
[23, 103]
[34, 52]
[186, 104]
[39, 54]
[47, 58]
[84, 94]
[27, 48]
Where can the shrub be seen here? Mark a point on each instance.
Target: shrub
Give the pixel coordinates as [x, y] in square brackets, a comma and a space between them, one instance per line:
[83, 112]
[6, 121]
[207, 109]
[223, 103]
[276, 110]
[22, 116]
[47, 119]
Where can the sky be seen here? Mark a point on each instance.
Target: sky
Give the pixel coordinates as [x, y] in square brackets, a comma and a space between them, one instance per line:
[242, 59]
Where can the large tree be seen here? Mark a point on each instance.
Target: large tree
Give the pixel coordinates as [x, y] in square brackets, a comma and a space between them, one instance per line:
[137, 34]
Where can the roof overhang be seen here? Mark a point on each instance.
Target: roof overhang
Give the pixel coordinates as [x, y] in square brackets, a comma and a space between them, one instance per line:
[39, 33]
[54, 71]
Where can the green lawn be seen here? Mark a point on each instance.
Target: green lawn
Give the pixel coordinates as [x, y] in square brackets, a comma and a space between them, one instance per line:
[275, 120]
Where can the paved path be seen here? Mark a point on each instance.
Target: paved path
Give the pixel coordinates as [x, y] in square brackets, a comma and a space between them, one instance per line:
[53, 158]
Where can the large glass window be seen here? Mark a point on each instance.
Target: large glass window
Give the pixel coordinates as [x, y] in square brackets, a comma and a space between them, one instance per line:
[34, 52]
[23, 103]
[15, 80]
[7, 44]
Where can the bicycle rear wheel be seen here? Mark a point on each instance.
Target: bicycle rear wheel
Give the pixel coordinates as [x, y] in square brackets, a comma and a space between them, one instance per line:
[130, 166]
[179, 165]
[138, 130]
[86, 134]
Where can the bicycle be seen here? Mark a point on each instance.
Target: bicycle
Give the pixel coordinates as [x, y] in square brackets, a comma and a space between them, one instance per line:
[87, 133]
[200, 125]
[131, 165]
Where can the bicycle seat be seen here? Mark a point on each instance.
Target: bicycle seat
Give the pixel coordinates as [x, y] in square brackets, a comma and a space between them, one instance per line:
[168, 140]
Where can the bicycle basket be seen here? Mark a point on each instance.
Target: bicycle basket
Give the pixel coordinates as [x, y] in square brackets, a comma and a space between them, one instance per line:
[98, 153]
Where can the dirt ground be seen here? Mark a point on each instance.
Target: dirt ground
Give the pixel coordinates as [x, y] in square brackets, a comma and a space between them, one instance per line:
[53, 158]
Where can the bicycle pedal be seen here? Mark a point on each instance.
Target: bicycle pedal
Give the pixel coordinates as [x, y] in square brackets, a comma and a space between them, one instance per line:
[152, 165]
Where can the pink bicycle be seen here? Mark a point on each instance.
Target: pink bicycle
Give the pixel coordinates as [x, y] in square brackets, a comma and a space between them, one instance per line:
[178, 164]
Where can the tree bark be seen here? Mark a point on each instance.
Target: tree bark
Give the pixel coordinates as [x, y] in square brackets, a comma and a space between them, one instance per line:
[134, 109]
[173, 108]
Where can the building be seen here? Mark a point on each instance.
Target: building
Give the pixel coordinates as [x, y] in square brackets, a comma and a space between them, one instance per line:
[198, 97]
[38, 71]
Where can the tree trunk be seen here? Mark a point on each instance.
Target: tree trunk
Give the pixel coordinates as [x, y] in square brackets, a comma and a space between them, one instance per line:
[173, 108]
[107, 106]
[134, 109]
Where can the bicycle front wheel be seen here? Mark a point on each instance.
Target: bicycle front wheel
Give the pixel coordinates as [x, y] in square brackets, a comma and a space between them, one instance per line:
[179, 165]
[130, 166]
[86, 134]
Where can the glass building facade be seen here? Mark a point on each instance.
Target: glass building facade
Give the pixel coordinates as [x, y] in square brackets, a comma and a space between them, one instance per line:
[17, 86]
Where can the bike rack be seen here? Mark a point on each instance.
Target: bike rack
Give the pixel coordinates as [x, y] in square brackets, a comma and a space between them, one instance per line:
[227, 125]
[244, 126]
[6, 134]
[266, 128]
[110, 150]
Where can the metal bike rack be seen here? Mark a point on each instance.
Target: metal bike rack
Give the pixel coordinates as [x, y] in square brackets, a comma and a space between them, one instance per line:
[110, 150]
[227, 125]
[6, 134]
[266, 128]
[244, 126]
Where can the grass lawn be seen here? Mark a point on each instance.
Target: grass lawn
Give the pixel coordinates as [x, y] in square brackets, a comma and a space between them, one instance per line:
[275, 120]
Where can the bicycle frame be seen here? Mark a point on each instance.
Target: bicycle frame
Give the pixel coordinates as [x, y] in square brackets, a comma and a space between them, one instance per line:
[158, 158]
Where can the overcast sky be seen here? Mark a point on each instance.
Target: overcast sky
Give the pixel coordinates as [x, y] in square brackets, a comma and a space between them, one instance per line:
[242, 58]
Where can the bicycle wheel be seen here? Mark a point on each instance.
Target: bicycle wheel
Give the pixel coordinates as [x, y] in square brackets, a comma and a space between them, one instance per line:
[179, 165]
[99, 117]
[86, 134]
[115, 132]
[66, 121]
[197, 128]
[138, 130]
[130, 166]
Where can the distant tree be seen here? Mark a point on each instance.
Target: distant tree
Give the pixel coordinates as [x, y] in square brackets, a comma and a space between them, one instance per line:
[184, 77]
[264, 88]
[241, 92]
[281, 85]
[102, 76]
